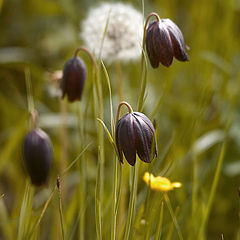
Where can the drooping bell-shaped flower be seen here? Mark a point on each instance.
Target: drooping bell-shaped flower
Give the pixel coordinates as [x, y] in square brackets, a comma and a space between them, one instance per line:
[73, 80]
[135, 135]
[164, 40]
[38, 156]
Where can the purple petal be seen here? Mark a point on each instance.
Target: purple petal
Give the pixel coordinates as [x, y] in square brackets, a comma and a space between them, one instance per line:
[126, 138]
[153, 57]
[117, 138]
[177, 39]
[152, 129]
[144, 138]
[163, 44]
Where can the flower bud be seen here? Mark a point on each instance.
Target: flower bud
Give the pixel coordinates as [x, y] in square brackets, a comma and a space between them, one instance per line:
[73, 80]
[164, 40]
[38, 155]
[135, 134]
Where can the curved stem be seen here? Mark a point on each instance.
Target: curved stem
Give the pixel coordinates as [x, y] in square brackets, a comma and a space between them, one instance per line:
[81, 48]
[152, 14]
[143, 66]
[119, 108]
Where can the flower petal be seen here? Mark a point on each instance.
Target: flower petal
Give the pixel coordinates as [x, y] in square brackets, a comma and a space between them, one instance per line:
[163, 44]
[144, 139]
[153, 57]
[153, 145]
[177, 39]
[117, 138]
[176, 184]
[126, 137]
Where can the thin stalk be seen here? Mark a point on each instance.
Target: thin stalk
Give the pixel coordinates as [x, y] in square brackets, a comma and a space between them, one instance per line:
[82, 171]
[60, 207]
[119, 185]
[159, 227]
[144, 62]
[147, 205]
[64, 140]
[100, 174]
[194, 193]
[212, 191]
[119, 109]
[114, 203]
[119, 81]
[171, 227]
[42, 213]
[98, 199]
[25, 212]
[167, 200]
[132, 201]
[82, 48]
[115, 166]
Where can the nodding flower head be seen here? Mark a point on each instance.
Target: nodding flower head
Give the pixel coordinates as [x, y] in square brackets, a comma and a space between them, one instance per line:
[38, 155]
[123, 38]
[73, 80]
[135, 135]
[164, 40]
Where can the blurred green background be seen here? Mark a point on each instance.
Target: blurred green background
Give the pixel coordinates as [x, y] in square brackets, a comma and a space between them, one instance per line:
[199, 108]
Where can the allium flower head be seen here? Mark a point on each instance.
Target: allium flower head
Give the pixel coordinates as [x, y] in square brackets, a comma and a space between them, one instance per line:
[160, 183]
[38, 155]
[135, 135]
[123, 38]
[164, 40]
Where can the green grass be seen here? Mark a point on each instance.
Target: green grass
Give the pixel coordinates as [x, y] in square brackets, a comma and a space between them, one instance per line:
[195, 105]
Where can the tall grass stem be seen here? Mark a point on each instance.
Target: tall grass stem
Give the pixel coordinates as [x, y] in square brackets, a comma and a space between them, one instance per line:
[132, 201]
[212, 192]
[168, 203]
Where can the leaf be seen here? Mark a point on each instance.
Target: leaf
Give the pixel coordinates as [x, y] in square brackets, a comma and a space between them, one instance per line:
[208, 140]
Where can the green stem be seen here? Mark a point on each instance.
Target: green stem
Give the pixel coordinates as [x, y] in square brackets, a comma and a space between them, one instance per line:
[100, 175]
[60, 207]
[167, 200]
[194, 194]
[34, 229]
[119, 109]
[212, 192]
[82, 171]
[132, 201]
[143, 63]
[159, 227]
[114, 205]
[119, 81]
[64, 141]
[25, 212]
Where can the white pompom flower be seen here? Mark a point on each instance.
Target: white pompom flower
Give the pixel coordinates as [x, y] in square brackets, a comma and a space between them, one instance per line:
[123, 39]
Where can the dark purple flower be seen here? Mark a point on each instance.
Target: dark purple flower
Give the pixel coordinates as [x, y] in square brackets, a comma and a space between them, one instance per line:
[74, 77]
[164, 40]
[135, 135]
[38, 155]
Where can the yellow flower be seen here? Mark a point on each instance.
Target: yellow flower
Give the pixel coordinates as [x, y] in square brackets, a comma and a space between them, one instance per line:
[160, 183]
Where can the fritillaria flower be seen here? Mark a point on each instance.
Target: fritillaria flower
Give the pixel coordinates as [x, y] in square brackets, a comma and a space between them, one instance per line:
[38, 155]
[135, 135]
[164, 40]
[73, 80]
[160, 183]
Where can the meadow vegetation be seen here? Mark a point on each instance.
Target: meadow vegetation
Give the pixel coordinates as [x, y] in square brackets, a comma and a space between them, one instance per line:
[194, 105]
